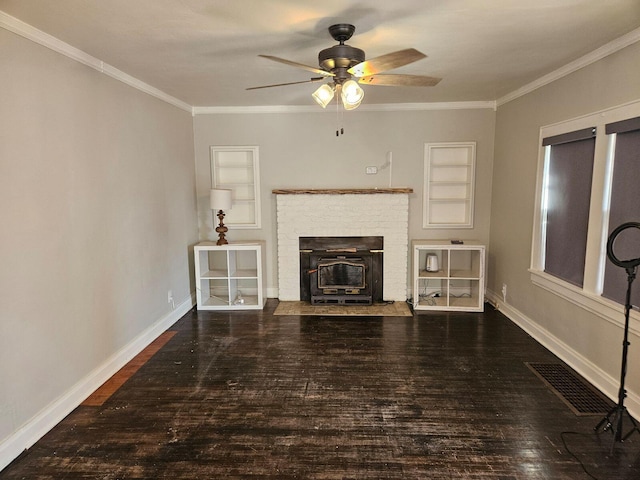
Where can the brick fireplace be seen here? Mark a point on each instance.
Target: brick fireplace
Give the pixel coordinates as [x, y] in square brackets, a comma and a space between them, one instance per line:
[343, 213]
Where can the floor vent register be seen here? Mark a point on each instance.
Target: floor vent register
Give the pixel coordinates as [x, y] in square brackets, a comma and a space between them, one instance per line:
[579, 395]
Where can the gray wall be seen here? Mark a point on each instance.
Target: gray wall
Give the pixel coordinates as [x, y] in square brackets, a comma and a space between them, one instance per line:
[98, 214]
[301, 150]
[609, 82]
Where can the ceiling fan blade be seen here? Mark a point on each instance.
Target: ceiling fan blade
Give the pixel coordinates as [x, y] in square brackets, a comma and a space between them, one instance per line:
[399, 80]
[386, 62]
[315, 79]
[299, 65]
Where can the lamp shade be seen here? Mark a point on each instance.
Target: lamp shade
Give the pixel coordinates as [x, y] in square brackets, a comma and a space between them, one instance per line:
[352, 95]
[323, 95]
[220, 199]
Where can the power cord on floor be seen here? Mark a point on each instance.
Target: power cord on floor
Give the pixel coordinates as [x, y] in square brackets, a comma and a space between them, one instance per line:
[564, 443]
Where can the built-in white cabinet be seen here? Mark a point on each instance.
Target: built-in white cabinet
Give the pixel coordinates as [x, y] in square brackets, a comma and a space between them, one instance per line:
[237, 169]
[449, 178]
[448, 276]
[230, 277]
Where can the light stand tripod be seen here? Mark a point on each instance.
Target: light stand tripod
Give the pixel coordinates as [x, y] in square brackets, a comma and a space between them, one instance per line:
[620, 411]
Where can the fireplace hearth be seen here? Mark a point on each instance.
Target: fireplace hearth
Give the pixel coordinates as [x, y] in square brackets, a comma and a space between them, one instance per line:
[341, 270]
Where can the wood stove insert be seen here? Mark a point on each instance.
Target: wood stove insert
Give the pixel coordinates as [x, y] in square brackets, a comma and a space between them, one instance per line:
[341, 270]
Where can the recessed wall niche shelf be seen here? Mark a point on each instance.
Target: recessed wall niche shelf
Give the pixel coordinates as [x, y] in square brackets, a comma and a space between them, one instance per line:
[449, 178]
[454, 280]
[237, 169]
[230, 277]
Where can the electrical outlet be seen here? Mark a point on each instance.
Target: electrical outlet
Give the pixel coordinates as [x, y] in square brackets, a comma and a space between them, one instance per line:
[371, 170]
[504, 292]
[169, 296]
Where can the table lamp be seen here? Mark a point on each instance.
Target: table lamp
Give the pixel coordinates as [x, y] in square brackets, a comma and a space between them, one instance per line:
[221, 200]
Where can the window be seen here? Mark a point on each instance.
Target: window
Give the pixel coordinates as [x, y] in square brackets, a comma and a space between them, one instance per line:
[567, 180]
[236, 169]
[587, 186]
[449, 171]
[624, 205]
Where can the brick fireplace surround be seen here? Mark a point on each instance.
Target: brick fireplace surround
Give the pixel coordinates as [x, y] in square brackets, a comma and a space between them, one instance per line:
[343, 213]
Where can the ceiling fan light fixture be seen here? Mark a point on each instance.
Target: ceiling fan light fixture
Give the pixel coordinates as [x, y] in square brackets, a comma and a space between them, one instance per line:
[352, 95]
[346, 67]
[323, 95]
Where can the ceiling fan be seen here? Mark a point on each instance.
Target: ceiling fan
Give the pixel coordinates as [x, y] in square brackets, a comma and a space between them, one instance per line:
[342, 63]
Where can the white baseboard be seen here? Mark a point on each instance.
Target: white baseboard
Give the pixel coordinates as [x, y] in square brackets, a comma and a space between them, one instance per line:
[589, 370]
[50, 416]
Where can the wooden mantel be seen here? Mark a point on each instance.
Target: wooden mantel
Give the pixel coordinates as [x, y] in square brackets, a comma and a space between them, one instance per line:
[339, 191]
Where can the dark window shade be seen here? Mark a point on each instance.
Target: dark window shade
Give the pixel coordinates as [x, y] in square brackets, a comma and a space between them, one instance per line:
[568, 198]
[623, 126]
[625, 207]
[583, 134]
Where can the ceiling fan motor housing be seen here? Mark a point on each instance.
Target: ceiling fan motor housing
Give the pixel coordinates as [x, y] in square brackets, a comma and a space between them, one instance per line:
[340, 56]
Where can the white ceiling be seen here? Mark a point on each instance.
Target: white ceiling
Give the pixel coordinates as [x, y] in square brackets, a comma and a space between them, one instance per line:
[205, 52]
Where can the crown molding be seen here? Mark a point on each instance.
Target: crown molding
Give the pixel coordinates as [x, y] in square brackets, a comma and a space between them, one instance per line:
[592, 57]
[390, 107]
[25, 30]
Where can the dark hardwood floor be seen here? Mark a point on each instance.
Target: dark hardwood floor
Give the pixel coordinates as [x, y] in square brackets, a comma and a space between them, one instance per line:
[252, 395]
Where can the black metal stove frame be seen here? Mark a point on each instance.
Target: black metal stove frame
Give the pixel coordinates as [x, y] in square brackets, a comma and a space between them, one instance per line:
[366, 251]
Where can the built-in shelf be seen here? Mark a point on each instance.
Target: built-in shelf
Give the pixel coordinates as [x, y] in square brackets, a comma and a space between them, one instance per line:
[236, 168]
[449, 170]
